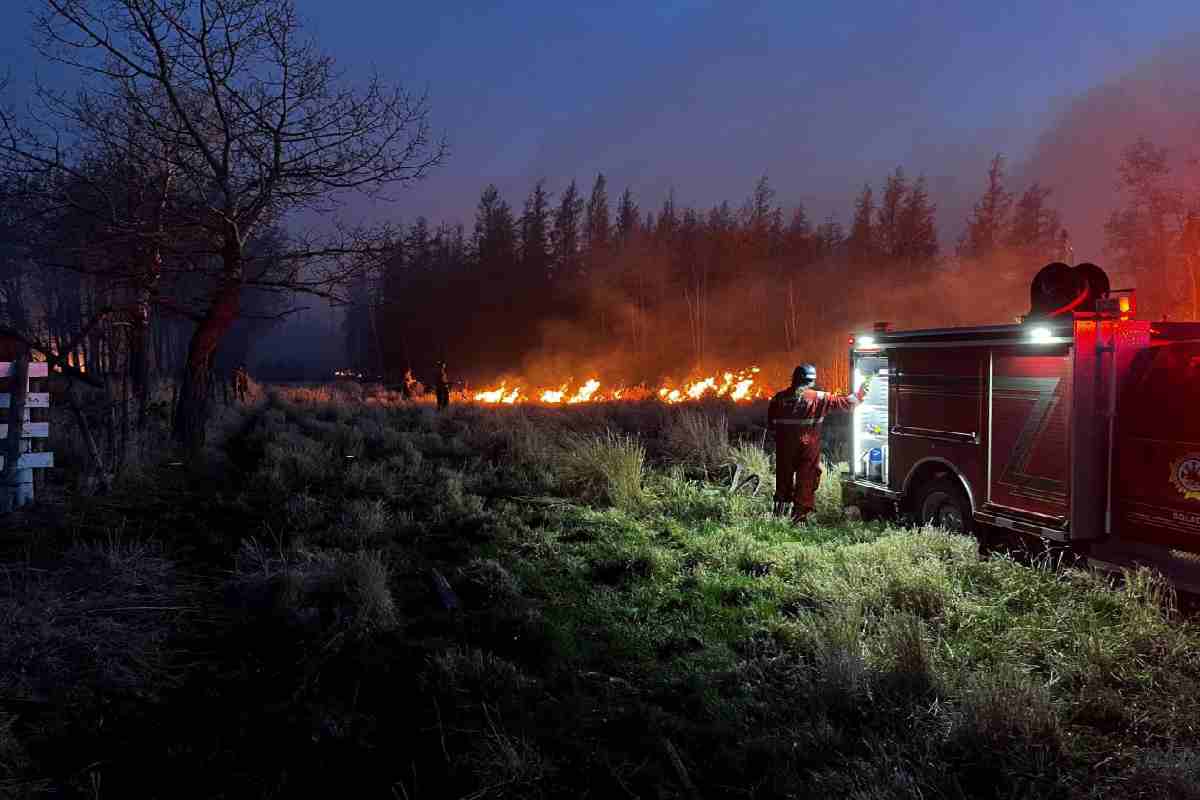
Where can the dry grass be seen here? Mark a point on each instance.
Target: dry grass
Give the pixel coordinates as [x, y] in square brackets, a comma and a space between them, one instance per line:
[607, 604]
[342, 589]
[697, 439]
[606, 468]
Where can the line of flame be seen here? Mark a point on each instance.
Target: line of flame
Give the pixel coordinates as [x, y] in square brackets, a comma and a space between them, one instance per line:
[738, 386]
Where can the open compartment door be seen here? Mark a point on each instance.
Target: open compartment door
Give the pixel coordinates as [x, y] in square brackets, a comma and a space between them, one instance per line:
[869, 426]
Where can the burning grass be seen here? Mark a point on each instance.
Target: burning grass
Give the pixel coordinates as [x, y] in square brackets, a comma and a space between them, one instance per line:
[742, 385]
[618, 623]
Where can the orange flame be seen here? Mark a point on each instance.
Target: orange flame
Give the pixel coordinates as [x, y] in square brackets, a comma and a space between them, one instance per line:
[739, 386]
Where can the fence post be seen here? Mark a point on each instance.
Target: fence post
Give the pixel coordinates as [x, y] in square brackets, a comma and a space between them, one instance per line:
[16, 485]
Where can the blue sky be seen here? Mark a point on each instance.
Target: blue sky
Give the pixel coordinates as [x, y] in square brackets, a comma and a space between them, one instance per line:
[706, 96]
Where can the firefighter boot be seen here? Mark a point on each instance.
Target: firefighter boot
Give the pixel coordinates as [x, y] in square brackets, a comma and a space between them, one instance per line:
[781, 508]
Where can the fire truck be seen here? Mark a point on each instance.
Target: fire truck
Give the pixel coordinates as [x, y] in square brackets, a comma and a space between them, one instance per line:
[1079, 424]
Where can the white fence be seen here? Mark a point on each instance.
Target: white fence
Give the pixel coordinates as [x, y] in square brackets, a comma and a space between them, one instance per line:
[29, 460]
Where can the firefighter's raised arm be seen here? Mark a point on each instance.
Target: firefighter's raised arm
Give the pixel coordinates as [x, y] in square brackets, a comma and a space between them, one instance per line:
[863, 390]
[845, 402]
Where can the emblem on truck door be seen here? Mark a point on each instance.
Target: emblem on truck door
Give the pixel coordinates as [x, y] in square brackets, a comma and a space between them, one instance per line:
[1185, 476]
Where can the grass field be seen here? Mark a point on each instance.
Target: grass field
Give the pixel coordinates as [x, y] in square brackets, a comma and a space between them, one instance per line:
[355, 596]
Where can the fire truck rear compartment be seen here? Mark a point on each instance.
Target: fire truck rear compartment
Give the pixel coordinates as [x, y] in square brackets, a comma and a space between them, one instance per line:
[869, 427]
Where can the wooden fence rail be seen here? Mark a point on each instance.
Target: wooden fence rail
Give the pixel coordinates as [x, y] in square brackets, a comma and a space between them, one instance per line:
[21, 490]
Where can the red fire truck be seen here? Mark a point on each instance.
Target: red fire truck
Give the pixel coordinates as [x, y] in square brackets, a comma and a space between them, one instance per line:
[1080, 425]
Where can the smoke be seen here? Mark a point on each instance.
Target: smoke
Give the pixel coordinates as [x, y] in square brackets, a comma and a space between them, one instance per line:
[775, 315]
[1078, 155]
[775, 319]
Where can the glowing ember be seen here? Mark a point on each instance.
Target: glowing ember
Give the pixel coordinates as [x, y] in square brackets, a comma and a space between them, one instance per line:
[739, 386]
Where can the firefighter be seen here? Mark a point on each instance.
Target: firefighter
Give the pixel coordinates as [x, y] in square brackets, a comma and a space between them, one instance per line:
[241, 383]
[795, 416]
[442, 387]
[409, 387]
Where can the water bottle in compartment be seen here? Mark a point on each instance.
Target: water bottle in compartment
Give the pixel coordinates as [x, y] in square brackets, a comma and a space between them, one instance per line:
[875, 464]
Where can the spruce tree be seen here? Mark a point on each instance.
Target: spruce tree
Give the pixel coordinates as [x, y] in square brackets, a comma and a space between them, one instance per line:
[861, 244]
[628, 219]
[535, 235]
[891, 209]
[598, 230]
[989, 220]
[567, 265]
[1033, 230]
[918, 225]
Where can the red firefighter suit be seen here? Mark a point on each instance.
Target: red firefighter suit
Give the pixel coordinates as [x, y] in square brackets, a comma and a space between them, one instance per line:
[795, 415]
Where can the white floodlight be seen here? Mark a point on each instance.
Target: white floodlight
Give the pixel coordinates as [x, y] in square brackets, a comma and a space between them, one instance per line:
[856, 427]
[865, 341]
[1041, 335]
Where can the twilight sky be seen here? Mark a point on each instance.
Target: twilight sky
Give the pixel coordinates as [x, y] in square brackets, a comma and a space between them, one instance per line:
[705, 96]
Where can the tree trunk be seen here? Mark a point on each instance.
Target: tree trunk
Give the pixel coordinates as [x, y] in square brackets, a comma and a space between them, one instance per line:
[104, 476]
[191, 411]
[140, 350]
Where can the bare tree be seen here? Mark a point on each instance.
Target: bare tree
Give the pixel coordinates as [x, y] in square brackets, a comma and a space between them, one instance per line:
[252, 123]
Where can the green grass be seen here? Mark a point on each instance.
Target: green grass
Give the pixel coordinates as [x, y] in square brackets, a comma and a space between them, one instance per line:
[619, 624]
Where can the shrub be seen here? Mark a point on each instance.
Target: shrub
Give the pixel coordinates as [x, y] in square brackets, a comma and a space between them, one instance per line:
[606, 468]
[477, 674]
[753, 460]
[348, 590]
[697, 440]
[507, 766]
[1003, 711]
[488, 581]
[363, 578]
[365, 520]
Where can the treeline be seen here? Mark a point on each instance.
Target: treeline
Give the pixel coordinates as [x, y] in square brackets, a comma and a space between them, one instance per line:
[575, 283]
[578, 283]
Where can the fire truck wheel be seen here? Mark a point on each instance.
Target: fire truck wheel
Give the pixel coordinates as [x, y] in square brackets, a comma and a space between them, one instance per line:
[944, 504]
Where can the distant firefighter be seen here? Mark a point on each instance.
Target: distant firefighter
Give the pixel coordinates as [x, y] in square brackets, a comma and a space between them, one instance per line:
[795, 416]
[409, 387]
[241, 383]
[442, 387]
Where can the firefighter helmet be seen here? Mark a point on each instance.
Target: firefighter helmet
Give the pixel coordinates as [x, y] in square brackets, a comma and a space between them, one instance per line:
[804, 375]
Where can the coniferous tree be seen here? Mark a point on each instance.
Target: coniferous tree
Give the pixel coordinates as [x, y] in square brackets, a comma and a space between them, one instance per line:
[1145, 233]
[799, 238]
[597, 253]
[397, 310]
[567, 262]
[495, 236]
[758, 215]
[535, 235]
[629, 219]
[861, 245]
[891, 210]
[1034, 229]
[918, 225]
[829, 238]
[418, 244]
[989, 220]
[598, 230]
